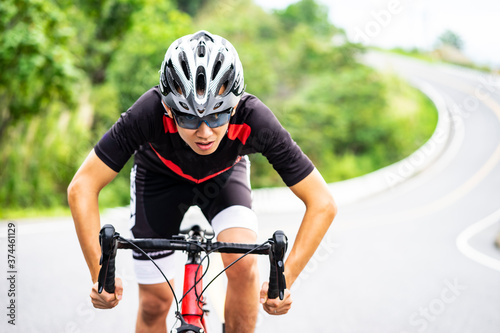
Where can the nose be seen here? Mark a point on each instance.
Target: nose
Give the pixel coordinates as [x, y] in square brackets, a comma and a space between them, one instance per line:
[204, 131]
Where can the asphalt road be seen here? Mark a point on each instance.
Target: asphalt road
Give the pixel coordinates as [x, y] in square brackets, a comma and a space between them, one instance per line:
[417, 257]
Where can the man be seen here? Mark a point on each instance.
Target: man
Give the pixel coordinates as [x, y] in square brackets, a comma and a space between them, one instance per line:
[190, 136]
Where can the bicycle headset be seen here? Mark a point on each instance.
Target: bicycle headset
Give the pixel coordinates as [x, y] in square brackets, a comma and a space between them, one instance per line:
[201, 80]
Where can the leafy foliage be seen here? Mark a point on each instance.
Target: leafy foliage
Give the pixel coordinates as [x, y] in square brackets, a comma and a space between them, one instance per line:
[335, 108]
[451, 38]
[69, 68]
[309, 13]
[36, 63]
[134, 68]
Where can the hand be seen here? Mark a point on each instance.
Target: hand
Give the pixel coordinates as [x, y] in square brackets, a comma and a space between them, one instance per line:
[275, 306]
[106, 300]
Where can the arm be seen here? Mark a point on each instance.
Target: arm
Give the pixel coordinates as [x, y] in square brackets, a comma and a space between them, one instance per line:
[83, 193]
[320, 212]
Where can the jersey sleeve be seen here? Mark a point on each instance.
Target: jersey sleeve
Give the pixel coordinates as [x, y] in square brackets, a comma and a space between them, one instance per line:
[271, 139]
[139, 125]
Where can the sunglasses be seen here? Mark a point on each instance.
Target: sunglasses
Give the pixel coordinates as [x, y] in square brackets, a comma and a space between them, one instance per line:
[213, 120]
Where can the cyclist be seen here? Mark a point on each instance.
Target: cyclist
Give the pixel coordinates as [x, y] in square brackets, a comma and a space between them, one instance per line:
[190, 136]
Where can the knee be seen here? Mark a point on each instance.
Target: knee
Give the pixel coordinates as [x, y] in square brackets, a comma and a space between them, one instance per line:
[154, 306]
[244, 270]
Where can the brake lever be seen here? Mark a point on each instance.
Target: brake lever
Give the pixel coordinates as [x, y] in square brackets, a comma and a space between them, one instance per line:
[277, 282]
[107, 240]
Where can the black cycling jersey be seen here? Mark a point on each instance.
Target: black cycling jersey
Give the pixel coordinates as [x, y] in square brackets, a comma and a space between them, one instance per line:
[148, 132]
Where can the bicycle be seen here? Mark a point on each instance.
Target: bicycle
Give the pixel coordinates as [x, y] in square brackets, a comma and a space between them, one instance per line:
[193, 242]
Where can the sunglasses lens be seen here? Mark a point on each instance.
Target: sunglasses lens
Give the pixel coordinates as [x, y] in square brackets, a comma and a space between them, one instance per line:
[187, 121]
[217, 119]
[192, 122]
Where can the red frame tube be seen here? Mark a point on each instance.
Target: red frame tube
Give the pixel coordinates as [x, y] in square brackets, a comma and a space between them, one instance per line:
[191, 308]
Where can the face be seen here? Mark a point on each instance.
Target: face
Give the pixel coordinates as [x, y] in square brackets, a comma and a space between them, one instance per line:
[203, 140]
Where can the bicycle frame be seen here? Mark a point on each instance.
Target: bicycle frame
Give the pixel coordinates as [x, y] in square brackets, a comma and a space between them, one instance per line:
[192, 305]
[192, 312]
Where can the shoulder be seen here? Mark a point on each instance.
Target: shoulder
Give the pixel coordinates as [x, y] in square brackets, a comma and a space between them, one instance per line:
[144, 119]
[150, 100]
[250, 103]
[146, 109]
[252, 110]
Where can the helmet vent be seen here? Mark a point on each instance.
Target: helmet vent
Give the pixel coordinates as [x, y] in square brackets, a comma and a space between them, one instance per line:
[177, 87]
[184, 64]
[217, 65]
[201, 50]
[216, 70]
[201, 82]
[223, 87]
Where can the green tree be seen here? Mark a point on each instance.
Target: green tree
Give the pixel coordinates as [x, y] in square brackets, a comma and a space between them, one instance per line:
[134, 67]
[307, 12]
[107, 53]
[190, 6]
[101, 26]
[451, 38]
[36, 64]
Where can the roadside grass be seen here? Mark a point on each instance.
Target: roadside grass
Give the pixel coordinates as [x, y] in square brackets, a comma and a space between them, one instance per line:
[33, 212]
[413, 119]
[428, 57]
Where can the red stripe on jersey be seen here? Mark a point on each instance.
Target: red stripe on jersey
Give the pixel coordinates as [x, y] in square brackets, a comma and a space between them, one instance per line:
[175, 168]
[241, 132]
[169, 124]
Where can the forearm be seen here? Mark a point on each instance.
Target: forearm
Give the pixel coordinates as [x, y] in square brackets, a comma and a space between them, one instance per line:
[83, 199]
[85, 212]
[314, 226]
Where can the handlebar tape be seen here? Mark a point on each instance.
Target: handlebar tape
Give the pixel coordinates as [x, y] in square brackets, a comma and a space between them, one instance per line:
[107, 240]
[277, 282]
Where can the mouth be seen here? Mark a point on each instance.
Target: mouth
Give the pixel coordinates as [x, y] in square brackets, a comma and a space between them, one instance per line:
[205, 145]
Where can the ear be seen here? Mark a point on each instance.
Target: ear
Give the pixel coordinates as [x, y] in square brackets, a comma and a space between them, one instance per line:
[234, 109]
[167, 110]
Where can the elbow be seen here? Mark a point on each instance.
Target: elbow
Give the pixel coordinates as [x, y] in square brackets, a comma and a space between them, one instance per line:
[75, 190]
[71, 192]
[331, 209]
[328, 208]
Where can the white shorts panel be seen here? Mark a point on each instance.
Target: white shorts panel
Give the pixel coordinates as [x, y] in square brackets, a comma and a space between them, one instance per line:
[147, 273]
[235, 217]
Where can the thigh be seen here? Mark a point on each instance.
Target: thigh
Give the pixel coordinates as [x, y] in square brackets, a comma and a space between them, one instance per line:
[234, 191]
[158, 204]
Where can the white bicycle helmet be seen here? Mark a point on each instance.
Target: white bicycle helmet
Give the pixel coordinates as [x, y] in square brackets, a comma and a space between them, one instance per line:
[194, 70]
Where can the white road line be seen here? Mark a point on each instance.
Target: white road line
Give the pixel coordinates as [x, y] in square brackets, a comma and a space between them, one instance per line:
[470, 252]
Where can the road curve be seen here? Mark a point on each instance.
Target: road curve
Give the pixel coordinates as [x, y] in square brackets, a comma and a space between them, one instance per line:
[419, 256]
[416, 257]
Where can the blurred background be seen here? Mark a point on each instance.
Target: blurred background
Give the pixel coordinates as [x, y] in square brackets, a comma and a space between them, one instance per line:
[69, 68]
[397, 102]
[420, 25]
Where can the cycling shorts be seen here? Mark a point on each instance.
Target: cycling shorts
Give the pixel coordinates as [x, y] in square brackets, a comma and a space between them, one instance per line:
[158, 204]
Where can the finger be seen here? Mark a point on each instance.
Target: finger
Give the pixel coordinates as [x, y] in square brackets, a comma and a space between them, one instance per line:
[103, 300]
[103, 304]
[271, 310]
[118, 289]
[263, 292]
[277, 306]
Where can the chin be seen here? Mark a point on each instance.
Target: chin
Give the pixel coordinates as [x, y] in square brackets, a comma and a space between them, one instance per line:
[204, 152]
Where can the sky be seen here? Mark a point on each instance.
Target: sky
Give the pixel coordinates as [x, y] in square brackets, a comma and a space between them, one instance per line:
[417, 23]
